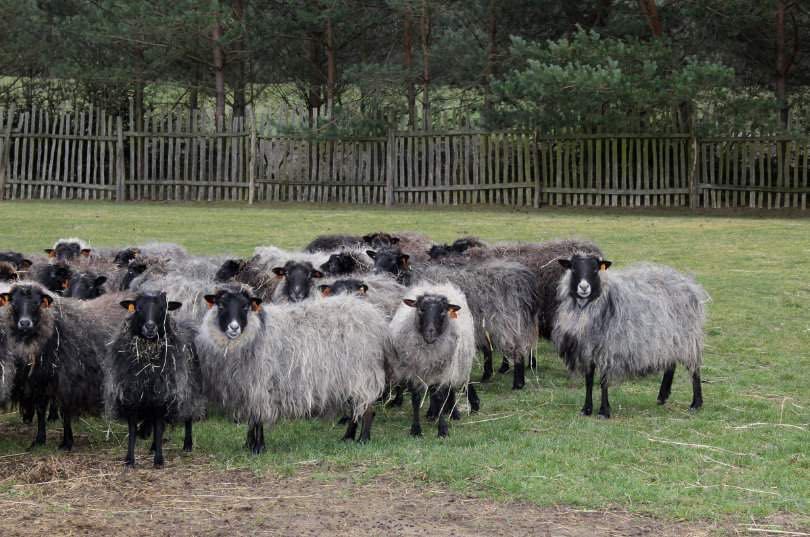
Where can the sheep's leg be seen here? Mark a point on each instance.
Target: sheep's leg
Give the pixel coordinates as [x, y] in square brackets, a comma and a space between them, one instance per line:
[28, 410]
[532, 361]
[129, 461]
[587, 409]
[53, 411]
[416, 396]
[447, 395]
[351, 430]
[67, 432]
[398, 397]
[40, 406]
[157, 430]
[188, 441]
[256, 438]
[604, 408]
[666, 385]
[472, 398]
[697, 392]
[368, 418]
[487, 352]
[504, 365]
[520, 373]
[145, 431]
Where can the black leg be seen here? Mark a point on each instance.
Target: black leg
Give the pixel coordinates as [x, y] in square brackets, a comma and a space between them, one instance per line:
[28, 410]
[587, 409]
[504, 365]
[158, 427]
[416, 399]
[520, 373]
[368, 419]
[532, 361]
[351, 430]
[40, 406]
[666, 385]
[472, 398]
[260, 447]
[398, 397]
[255, 437]
[250, 439]
[53, 411]
[188, 441]
[67, 432]
[487, 352]
[145, 429]
[604, 408]
[447, 396]
[434, 404]
[129, 461]
[697, 392]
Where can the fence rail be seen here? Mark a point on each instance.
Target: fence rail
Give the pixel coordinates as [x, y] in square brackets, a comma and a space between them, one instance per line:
[90, 156]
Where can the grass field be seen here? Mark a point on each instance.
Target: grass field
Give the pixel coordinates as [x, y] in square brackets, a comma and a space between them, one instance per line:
[745, 456]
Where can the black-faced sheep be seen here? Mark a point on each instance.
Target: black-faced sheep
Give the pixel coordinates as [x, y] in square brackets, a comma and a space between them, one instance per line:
[628, 323]
[152, 373]
[85, 286]
[297, 280]
[293, 361]
[69, 250]
[459, 246]
[55, 277]
[392, 261]
[434, 347]
[330, 243]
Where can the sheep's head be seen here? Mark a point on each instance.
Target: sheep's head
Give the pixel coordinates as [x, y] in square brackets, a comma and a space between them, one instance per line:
[233, 308]
[344, 287]
[27, 303]
[437, 251]
[134, 269]
[585, 284]
[390, 260]
[229, 270]
[56, 277]
[341, 263]
[380, 240]
[86, 286]
[149, 313]
[16, 259]
[125, 257]
[433, 313]
[298, 278]
[68, 250]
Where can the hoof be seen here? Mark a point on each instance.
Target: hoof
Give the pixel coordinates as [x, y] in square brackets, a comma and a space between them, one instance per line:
[661, 401]
[518, 385]
[443, 432]
[159, 465]
[604, 416]
[258, 450]
[586, 411]
[188, 449]
[416, 431]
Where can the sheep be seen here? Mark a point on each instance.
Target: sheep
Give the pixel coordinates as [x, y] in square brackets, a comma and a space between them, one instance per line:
[152, 373]
[293, 361]
[381, 291]
[459, 246]
[15, 258]
[627, 323]
[504, 303]
[85, 286]
[330, 243]
[189, 291]
[392, 261]
[58, 346]
[55, 277]
[434, 345]
[69, 250]
[8, 272]
[297, 280]
[347, 261]
[158, 250]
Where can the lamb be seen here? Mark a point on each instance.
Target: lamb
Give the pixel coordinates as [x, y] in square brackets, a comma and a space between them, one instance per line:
[434, 346]
[152, 373]
[58, 346]
[293, 361]
[632, 322]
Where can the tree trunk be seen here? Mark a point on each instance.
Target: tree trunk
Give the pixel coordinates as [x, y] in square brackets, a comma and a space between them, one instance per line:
[139, 90]
[239, 99]
[784, 63]
[314, 45]
[410, 88]
[330, 71]
[650, 12]
[490, 71]
[219, 70]
[425, 35]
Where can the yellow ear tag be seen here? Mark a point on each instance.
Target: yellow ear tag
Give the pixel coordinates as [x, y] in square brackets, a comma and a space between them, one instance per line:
[131, 308]
[602, 267]
[453, 314]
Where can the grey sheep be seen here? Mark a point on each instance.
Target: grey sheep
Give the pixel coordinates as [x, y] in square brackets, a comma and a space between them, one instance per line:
[313, 358]
[187, 290]
[434, 347]
[628, 323]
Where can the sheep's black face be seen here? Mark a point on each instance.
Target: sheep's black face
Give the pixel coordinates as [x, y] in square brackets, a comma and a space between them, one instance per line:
[86, 286]
[390, 261]
[462, 245]
[150, 312]
[14, 258]
[56, 277]
[433, 312]
[67, 251]
[233, 309]
[125, 257]
[27, 303]
[341, 263]
[297, 279]
[586, 285]
[380, 240]
[438, 251]
[229, 270]
[133, 271]
[344, 287]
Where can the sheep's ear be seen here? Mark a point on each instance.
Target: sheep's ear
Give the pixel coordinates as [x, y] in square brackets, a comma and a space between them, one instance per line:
[66, 284]
[317, 274]
[101, 280]
[256, 303]
[363, 288]
[403, 261]
[128, 305]
[171, 306]
[25, 265]
[604, 264]
[86, 252]
[409, 302]
[372, 254]
[326, 290]
[394, 240]
[211, 300]
[47, 300]
[452, 311]
[566, 263]
[325, 266]
[4, 299]
[279, 271]
[51, 252]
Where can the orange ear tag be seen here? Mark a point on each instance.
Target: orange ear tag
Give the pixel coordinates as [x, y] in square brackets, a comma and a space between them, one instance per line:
[256, 307]
[131, 308]
[453, 314]
[65, 284]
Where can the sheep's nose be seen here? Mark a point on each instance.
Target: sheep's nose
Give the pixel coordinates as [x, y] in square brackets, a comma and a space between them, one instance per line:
[24, 324]
[234, 326]
[150, 326]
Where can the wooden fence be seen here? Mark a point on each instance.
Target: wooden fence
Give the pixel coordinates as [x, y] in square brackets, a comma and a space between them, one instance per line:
[90, 156]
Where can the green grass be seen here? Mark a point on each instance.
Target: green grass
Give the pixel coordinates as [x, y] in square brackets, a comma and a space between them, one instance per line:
[745, 455]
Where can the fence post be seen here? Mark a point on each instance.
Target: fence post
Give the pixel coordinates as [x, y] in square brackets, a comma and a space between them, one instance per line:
[538, 179]
[120, 189]
[6, 149]
[390, 168]
[694, 188]
[252, 161]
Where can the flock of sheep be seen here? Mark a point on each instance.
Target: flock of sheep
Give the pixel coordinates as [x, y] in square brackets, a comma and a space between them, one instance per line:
[152, 335]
